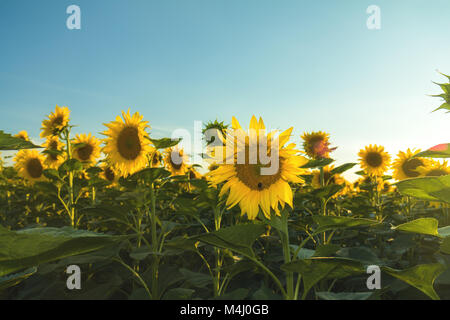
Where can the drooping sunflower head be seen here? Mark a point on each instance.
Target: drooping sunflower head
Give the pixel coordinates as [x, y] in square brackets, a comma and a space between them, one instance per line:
[53, 150]
[316, 144]
[56, 122]
[127, 143]
[157, 159]
[23, 135]
[86, 148]
[30, 165]
[176, 161]
[374, 160]
[434, 169]
[258, 172]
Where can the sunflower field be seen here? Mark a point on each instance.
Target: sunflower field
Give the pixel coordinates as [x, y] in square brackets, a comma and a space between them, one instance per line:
[142, 222]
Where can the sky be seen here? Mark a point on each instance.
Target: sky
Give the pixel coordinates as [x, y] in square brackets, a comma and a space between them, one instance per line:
[311, 65]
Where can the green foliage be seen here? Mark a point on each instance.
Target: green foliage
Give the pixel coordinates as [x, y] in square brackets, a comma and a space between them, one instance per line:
[8, 142]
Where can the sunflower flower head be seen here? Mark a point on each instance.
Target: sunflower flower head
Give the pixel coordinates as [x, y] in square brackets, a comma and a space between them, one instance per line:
[23, 135]
[86, 148]
[56, 122]
[374, 160]
[405, 166]
[258, 169]
[316, 144]
[30, 165]
[176, 161]
[156, 159]
[127, 144]
[54, 155]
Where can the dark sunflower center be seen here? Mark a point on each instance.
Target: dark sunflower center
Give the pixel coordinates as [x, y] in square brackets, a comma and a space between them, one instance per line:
[156, 160]
[109, 174]
[34, 168]
[250, 175]
[436, 173]
[129, 144]
[410, 166]
[176, 155]
[53, 146]
[374, 159]
[85, 152]
[58, 121]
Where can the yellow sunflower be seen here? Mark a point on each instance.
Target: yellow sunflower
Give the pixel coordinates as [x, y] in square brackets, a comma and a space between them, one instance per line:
[89, 151]
[176, 161]
[374, 160]
[434, 169]
[23, 135]
[56, 122]
[252, 182]
[30, 165]
[109, 173]
[156, 159]
[127, 145]
[316, 144]
[54, 159]
[405, 166]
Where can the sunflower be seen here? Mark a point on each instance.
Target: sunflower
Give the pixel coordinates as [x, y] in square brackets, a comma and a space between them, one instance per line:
[30, 165]
[374, 160]
[156, 159]
[405, 166]
[109, 173]
[248, 184]
[56, 122]
[89, 150]
[176, 161]
[434, 169]
[22, 135]
[316, 144]
[54, 157]
[128, 144]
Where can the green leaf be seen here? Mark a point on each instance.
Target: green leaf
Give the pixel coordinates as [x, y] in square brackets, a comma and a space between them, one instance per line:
[15, 279]
[31, 247]
[8, 142]
[439, 151]
[51, 174]
[427, 188]
[427, 226]
[342, 168]
[178, 294]
[70, 165]
[344, 295]
[238, 238]
[164, 143]
[150, 174]
[333, 223]
[316, 269]
[318, 163]
[421, 277]
[196, 279]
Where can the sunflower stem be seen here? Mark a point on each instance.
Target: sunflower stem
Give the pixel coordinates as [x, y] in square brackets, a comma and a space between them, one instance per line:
[155, 265]
[284, 235]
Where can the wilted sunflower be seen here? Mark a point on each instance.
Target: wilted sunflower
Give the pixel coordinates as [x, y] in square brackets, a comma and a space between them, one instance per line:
[434, 169]
[316, 144]
[245, 181]
[127, 145]
[374, 160]
[176, 161]
[22, 135]
[30, 165]
[56, 122]
[54, 157]
[405, 166]
[89, 151]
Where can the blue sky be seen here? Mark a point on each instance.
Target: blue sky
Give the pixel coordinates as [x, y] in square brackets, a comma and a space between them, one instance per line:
[313, 65]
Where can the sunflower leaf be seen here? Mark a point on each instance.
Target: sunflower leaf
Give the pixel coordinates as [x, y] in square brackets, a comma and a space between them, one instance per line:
[439, 151]
[426, 188]
[318, 163]
[164, 142]
[428, 226]
[8, 142]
